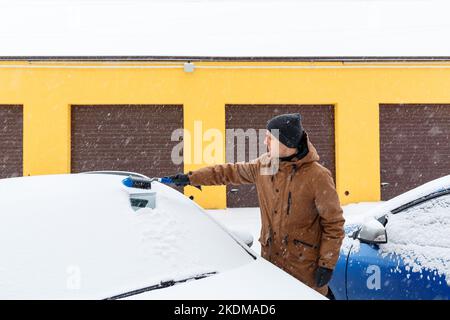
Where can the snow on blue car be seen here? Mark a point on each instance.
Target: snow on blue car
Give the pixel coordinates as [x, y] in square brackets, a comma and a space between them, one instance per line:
[400, 249]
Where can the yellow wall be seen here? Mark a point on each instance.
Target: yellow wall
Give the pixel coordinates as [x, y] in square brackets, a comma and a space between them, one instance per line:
[47, 90]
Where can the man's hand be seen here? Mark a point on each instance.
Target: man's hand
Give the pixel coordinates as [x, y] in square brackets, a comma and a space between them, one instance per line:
[323, 276]
[180, 179]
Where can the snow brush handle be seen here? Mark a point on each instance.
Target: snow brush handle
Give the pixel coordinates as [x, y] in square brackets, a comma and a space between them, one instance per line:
[165, 180]
[168, 180]
[143, 183]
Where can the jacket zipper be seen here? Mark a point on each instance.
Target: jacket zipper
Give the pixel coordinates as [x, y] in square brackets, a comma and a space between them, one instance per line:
[294, 168]
[289, 203]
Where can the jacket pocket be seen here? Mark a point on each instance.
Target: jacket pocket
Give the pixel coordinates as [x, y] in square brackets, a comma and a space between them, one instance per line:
[303, 243]
[304, 251]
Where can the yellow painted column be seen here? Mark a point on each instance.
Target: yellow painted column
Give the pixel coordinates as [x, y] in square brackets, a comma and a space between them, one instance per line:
[46, 137]
[357, 150]
[204, 124]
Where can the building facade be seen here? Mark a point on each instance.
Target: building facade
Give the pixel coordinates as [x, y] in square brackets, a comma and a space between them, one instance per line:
[381, 126]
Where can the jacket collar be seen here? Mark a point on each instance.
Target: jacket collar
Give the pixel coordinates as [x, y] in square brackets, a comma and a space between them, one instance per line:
[295, 163]
[311, 156]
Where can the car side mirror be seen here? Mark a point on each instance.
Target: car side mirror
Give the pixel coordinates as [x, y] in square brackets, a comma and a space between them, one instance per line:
[372, 231]
[244, 236]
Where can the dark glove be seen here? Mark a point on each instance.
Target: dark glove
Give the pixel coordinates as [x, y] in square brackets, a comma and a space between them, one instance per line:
[180, 179]
[323, 276]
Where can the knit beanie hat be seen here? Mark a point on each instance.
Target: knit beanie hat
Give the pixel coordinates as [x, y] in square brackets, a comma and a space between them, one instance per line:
[289, 126]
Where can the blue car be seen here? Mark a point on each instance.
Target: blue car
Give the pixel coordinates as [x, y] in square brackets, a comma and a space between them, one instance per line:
[399, 250]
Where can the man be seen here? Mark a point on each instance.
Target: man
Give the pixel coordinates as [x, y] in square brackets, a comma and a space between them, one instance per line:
[302, 221]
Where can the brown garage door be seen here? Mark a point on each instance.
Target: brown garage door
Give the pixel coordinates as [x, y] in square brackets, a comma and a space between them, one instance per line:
[11, 141]
[318, 121]
[126, 138]
[414, 146]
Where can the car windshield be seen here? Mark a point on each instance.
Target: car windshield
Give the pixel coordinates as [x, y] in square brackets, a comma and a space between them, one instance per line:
[77, 236]
[419, 235]
[424, 224]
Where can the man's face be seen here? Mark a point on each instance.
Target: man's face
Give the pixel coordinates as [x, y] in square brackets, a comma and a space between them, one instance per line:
[276, 148]
[271, 142]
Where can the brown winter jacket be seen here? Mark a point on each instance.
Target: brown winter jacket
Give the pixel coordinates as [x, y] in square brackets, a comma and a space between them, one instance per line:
[302, 221]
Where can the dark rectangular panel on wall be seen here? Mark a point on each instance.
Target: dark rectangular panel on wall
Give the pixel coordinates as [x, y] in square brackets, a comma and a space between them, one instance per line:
[414, 145]
[318, 121]
[11, 141]
[125, 138]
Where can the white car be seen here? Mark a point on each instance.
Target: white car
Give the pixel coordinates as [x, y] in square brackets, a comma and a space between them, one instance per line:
[88, 236]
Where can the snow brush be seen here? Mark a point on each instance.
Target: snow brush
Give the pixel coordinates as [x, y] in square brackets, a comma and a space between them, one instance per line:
[144, 183]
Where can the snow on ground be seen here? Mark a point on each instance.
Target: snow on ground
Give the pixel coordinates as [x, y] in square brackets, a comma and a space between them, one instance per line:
[248, 219]
[240, 219]
[355, 213]
[224, 28]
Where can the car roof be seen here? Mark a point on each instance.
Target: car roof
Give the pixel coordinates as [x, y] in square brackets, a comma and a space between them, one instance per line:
[76, 236]
[431, 187]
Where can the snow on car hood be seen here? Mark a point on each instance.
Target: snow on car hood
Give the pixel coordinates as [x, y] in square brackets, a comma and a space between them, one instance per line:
[259, 280]
[76, 236]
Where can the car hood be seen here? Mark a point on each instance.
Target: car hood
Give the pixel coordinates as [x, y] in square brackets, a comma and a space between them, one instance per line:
[258, 280]
[77, 237]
